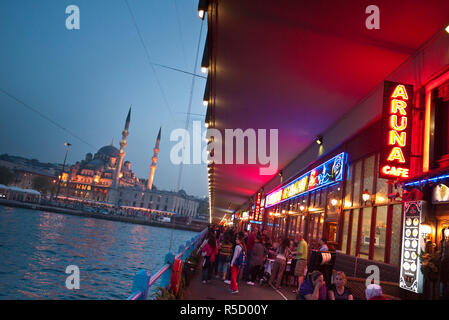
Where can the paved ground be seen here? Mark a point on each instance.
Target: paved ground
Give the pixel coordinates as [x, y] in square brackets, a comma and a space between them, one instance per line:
[218, 290]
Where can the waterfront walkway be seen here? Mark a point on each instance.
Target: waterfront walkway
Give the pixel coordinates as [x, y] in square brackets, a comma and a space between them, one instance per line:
[218, 290]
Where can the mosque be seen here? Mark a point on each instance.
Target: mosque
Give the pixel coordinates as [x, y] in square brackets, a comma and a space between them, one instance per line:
[106, 177]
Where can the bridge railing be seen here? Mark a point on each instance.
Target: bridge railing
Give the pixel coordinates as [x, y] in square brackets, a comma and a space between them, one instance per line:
[143, 281]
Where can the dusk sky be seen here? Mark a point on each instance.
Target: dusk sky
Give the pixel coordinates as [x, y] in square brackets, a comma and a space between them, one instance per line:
[85, 80]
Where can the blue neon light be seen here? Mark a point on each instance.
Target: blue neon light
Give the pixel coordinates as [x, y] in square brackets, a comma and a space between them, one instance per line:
[425, 180]
[324, 175]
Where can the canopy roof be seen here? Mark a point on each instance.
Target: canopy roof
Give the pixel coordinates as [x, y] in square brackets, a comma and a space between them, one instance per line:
[299, 66]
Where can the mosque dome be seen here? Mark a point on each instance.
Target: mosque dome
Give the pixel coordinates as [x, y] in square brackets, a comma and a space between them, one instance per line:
[109, 151]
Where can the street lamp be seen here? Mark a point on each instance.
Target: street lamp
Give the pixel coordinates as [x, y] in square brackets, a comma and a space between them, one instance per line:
[67, 145]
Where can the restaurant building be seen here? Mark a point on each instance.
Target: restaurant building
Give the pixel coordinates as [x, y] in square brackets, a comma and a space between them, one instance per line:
[357, 195]
[375, 182]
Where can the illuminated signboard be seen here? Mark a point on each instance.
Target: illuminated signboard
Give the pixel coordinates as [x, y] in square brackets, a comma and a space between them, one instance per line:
[257, 206]
[411, 277]
[440, 193]
[396, 135]
[329, 172]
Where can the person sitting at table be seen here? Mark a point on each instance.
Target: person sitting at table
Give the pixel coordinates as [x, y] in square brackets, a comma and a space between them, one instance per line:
[313, 288]
[339, 291]
[374, 292]
[323, 244]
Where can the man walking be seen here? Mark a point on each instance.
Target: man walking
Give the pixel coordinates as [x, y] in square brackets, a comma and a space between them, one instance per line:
[250, 247]
[301, 260]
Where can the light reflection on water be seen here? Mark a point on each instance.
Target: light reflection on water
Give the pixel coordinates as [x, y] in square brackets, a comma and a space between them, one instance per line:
[36, 247]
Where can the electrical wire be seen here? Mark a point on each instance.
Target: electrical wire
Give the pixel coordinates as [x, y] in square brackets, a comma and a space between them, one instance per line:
[178, 20]
[147, 54]
[43, 116]
[190, 102]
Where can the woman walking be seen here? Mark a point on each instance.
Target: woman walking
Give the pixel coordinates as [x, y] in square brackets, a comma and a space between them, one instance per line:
[238, 259]
[224, 256]
[256, 261]
[209, 251]
[283, 254]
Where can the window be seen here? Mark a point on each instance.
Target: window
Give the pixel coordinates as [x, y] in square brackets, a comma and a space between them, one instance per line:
[357, 178]
[366, 232]
[344, 241]
[441, 135]
[348, 199]
[396, 230]
[382, 190]
[355, 223]
[380, 233]
[368, 175]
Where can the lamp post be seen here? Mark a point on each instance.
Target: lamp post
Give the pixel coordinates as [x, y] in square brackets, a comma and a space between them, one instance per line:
[67, 145]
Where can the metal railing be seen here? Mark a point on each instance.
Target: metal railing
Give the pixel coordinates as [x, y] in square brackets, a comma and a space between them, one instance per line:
[143, 281]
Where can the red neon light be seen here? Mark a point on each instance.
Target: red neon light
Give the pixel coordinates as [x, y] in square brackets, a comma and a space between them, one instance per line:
[398, 105]
[400, 91]
[396, 154]
[394, 123]
[397, 172]
[394, 138]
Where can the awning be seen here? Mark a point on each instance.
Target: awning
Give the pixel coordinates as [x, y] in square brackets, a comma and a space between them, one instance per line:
[299, 66]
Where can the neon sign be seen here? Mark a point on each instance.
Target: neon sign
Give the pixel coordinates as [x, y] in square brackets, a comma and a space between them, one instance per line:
[396, 118]
[329, 172]
[257, 206]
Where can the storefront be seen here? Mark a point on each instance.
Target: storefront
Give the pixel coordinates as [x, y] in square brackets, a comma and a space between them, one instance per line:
[308, 204]
[429, 188]
[391, 198]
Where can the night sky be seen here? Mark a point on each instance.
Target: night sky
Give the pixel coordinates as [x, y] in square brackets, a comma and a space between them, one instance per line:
[85, 80]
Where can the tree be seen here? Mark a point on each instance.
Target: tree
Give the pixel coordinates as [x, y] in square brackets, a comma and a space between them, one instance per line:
[6, 176]
[203, 208]
[43, 184]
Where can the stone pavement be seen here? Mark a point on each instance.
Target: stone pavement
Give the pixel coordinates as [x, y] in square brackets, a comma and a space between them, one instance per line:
[218, 290]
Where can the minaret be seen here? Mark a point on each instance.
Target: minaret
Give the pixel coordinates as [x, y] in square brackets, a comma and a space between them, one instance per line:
[123, 144]
[154, 159]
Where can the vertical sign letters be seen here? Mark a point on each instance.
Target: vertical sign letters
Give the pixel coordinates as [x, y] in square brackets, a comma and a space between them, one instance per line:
[396, 135]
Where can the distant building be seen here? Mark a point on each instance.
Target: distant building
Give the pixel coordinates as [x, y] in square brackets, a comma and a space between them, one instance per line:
[26, 170]
[19, 194]
[106, 177]
[175, 202]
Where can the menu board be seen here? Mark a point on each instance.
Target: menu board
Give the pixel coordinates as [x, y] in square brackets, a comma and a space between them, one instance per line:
[411, 277]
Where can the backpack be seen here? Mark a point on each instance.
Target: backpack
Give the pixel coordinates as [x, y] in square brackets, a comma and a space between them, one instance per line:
[241, 259]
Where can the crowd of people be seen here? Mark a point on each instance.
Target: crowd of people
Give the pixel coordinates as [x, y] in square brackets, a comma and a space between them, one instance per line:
[229, 255]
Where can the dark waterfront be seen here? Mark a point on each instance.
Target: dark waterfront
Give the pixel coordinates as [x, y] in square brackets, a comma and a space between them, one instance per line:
[36, 247]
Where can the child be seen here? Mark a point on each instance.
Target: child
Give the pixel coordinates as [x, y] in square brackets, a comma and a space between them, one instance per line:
[237, 261]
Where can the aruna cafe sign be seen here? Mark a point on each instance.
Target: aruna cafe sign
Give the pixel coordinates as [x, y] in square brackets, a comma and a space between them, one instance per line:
[396, 132]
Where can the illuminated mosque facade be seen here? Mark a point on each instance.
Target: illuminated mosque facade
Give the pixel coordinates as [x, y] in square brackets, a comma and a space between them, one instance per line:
[106, 178]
